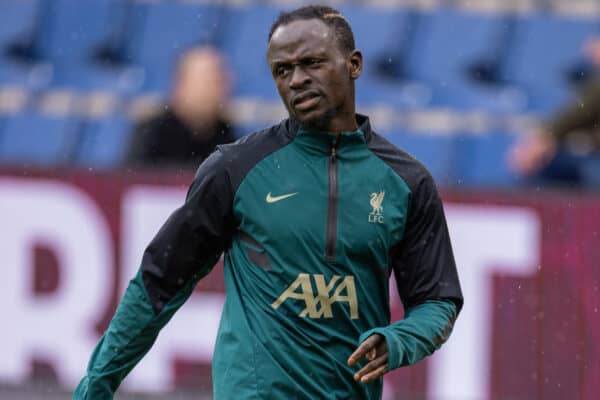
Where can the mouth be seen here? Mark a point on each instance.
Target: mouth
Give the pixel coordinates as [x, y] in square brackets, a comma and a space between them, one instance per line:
[306, 100]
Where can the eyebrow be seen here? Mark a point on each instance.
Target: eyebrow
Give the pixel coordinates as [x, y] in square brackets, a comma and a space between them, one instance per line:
[317, 54]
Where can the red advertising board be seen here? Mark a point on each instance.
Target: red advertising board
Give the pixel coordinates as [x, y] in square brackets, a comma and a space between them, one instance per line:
[529, 264]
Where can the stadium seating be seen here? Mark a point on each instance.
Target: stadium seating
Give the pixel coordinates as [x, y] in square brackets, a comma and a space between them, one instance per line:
[103, 142]
[481, 160]
[590, 172]
[385, 42]
[16, 19]
[434, 149]
[450, 41]
[71, 29]
[31, 138]
[415, 59]
[162, 31]
[17, 23]
[543, 49]
[244, 44]
[70, 38]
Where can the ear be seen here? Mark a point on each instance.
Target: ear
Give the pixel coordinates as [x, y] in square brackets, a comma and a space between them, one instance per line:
[355, 62]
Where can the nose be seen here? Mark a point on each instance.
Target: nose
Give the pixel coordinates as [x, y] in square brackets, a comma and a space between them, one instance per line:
[299, 78]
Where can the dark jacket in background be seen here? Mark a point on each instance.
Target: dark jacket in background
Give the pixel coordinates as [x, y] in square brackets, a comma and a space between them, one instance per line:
[164, 141]
[579, 124]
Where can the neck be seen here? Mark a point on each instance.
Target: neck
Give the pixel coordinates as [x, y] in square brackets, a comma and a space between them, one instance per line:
[342, 122]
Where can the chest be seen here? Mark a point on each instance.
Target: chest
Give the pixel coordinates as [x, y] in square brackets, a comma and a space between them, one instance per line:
[347, 211]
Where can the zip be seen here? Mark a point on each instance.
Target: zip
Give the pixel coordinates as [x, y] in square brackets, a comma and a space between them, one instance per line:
[332, 202]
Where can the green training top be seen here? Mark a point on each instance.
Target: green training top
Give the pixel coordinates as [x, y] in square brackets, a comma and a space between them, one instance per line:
[312, 225]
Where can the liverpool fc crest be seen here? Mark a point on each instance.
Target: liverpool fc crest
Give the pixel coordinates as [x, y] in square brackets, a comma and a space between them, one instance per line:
[376, 216]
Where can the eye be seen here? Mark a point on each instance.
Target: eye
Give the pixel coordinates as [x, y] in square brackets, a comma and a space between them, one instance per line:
[281, 70]
[312, 61]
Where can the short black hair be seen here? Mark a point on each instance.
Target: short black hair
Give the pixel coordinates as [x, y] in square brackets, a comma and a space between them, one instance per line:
[330, 16]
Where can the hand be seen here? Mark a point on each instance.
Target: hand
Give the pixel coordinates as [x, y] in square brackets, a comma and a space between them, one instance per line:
[591, 49]
[532, 153]
[374, 349]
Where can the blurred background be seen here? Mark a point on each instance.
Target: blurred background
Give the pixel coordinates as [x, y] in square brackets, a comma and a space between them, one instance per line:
[108, 106]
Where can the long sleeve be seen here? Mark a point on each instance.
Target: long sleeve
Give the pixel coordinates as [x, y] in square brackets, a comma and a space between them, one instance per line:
[183, 251]
[427, 280]
[422, 331]
[584, 114]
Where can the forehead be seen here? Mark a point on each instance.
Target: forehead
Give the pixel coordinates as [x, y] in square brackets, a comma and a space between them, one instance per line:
[301, 36]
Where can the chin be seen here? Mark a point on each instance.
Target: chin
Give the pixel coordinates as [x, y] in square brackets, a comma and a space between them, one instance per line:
[314, 120]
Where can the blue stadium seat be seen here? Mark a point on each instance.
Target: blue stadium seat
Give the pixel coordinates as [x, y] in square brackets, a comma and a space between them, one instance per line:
[481, 160]
[3, 117]
[591, 172]
[145, 38]
[56, 44]
[17, 22]
[543, 50]
[17, 18]
[103, 142]
[447, 43]
[376, 29]
[31, 76]
[430, 53]
[163, 31]
[245, 47]
[71, 29]
[76, 33]
[38, 139]
[383, 34]
[435, 150]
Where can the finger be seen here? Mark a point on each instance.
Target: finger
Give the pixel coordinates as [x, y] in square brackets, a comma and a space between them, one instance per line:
[366, 346]
[373, 365]
[371, 354]
[378, 373]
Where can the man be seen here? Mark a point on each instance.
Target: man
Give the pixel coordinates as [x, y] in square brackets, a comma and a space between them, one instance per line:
[313, 215]
[556, 151]
[193, 123]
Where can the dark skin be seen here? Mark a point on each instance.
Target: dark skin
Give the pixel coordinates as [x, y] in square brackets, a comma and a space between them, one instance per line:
[315, 79]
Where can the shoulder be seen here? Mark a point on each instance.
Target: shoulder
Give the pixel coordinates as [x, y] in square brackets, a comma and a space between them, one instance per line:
[156, 123]
[237, 158]
[255, 146]
[412, 171]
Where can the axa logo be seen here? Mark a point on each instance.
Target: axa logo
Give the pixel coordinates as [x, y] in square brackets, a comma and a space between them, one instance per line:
[319, 305]
[376, 216]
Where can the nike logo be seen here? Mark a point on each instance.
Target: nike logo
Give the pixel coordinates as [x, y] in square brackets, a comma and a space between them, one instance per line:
[271, 199]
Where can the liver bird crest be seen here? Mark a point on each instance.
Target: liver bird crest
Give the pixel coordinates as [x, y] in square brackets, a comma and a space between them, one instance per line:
[376, 200]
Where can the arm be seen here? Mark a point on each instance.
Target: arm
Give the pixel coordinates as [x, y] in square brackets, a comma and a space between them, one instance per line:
[184, 250]
[583, 114]
[428, 285]
[536, 149]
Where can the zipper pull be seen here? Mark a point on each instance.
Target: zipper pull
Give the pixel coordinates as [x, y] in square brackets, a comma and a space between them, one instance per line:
[334, 145]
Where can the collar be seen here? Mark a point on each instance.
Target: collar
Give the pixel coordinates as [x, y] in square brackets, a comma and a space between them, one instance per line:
[322, 142]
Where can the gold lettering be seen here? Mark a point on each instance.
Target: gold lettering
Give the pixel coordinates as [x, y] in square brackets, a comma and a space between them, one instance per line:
[349, 297]
[301, 289]
[321, 297]
[303, 281]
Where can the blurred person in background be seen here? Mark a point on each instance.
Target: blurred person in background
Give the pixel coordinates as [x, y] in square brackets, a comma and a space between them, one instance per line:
[193, 122]
[555, 152]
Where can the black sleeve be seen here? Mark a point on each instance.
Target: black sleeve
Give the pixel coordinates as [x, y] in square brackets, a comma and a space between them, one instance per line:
[193, 238]
[423, 261]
